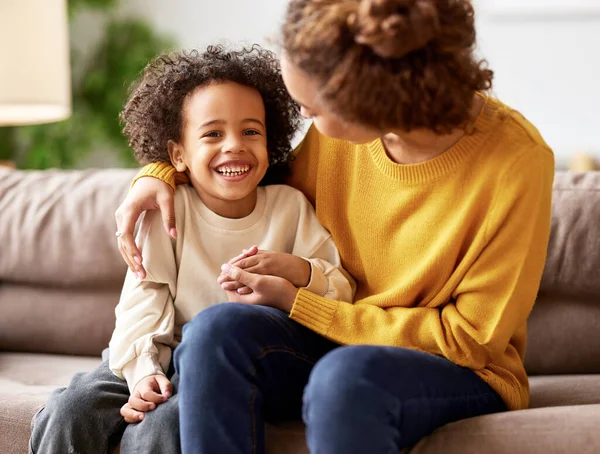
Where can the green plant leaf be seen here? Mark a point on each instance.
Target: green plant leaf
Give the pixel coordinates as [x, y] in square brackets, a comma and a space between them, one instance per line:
[7, 144]
[76, 5]
[127, 48]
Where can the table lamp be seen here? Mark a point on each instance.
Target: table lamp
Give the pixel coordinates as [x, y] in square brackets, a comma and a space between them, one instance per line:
[35, 82]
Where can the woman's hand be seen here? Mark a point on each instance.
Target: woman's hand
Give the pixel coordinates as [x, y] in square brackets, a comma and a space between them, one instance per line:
[290, 267]
[149, 392]
[147, 193]
[232, 286]
[271, 291]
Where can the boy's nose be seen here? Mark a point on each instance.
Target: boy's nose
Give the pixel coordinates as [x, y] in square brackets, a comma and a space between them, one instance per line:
[233, 146]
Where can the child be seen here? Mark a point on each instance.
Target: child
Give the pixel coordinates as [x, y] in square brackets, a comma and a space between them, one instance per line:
[226, 120]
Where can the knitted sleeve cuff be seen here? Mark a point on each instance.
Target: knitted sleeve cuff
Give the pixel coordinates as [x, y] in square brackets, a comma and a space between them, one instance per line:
[164, 171]
[314, 312]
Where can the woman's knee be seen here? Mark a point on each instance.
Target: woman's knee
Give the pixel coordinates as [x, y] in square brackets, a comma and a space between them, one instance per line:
[352, 376]
[347, 375]
[333, 378]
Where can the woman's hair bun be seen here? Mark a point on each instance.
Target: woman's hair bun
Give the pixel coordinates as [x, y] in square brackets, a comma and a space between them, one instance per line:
[394, 28]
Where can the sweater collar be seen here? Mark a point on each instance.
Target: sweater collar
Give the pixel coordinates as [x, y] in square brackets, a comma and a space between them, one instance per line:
[477, 133]
[229, 224]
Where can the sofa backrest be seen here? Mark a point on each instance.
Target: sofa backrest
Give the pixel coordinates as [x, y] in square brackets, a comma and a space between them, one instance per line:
[61, 272]
[563, 333]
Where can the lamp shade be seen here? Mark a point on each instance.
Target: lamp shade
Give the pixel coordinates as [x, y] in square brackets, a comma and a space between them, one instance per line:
[35, 82]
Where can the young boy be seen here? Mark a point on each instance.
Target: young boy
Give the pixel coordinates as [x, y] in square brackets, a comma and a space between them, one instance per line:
[226, 120]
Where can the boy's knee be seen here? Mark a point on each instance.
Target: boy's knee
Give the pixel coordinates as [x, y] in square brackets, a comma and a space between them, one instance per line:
[216, 324]
[226, 327]
[157, 433]
[62, 413]
[52, 422]
[62, 406]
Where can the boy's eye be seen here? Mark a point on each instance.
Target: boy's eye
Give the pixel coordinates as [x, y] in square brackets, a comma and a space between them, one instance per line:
[251, 132]
[212, 134]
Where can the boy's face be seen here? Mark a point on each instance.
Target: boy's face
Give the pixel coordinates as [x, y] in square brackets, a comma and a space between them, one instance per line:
[223, 146]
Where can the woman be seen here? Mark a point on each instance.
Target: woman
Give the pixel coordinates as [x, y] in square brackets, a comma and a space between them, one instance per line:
[438, 198]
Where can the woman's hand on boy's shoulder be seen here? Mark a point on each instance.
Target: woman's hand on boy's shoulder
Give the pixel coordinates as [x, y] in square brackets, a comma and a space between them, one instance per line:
[147, 193]
[149, 392]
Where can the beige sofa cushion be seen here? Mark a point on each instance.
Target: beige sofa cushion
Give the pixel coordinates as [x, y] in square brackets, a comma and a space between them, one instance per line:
[60, 227]
[60, 270]
[574, 251]
[27, 379]
[50, 320]
[557, 430]
[563, 335]
[564, 390]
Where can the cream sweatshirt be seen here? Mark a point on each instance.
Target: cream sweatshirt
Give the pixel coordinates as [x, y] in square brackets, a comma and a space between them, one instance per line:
[181, 274]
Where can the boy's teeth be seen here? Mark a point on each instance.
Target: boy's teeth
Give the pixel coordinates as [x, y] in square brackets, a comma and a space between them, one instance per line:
[233, 170]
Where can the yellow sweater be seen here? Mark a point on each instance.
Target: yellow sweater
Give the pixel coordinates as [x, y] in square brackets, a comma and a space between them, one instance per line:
[447, 254]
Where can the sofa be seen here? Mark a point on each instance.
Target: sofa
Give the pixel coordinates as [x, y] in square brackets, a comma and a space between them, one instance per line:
[61, 274]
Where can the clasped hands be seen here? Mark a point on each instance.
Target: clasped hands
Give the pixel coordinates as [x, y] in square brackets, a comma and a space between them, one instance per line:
[264, 278]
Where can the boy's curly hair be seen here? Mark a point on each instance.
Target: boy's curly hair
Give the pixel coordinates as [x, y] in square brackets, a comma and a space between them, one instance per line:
[153, 114]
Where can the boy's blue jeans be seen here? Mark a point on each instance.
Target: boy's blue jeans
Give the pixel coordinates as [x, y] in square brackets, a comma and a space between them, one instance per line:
[242, 365]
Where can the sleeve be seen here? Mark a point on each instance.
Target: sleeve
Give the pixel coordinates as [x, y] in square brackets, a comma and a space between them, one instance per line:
[164, 171]
[315, 244]
[145, 315]
[491, 302]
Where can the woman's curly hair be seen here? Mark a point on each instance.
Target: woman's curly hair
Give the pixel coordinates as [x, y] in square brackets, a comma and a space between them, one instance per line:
[389, 64]
[153, 114]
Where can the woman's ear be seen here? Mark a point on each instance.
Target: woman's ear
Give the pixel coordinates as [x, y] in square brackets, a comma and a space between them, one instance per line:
[176, 155]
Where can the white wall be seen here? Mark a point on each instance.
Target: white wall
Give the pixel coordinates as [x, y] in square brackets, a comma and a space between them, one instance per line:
[547, 63]
[198, 23]
[545, 55]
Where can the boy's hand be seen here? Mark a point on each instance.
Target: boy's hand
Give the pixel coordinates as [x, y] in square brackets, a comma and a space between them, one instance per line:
[264, 290]
[233, 289]
[268, 263]
[149, 392]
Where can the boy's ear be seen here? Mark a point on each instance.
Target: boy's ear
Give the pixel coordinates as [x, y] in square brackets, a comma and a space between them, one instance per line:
[176, 155]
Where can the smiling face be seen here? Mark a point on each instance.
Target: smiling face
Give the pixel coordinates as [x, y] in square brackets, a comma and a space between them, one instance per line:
[223, 146]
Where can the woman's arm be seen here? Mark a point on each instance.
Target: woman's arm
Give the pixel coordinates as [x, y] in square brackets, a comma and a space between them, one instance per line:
[144, 330]
[488, 306]
[314, 243]
[492, 301]
[320, 273]
[146, 194]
